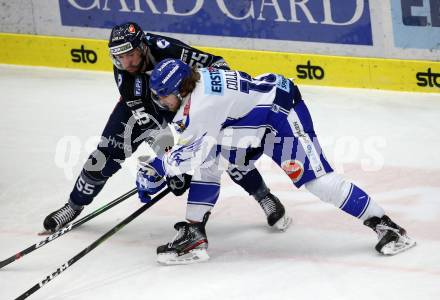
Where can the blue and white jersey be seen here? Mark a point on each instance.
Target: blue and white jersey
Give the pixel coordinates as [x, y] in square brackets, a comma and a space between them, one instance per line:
[227, 108]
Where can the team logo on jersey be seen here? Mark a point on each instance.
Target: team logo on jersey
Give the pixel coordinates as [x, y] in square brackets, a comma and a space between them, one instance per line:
[162, 44]
[294, 169]
[185, 152]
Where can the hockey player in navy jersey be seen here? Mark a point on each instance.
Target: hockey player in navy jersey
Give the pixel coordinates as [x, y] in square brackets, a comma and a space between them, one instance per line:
[250, 112]
[136, 118]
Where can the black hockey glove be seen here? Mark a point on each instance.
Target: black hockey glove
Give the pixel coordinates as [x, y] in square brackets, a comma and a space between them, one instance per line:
[179, 184]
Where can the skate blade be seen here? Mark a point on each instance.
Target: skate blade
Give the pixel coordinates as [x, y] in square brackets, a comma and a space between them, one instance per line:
[282, 224]
[403, 244]
[45, 232]
[193, 256]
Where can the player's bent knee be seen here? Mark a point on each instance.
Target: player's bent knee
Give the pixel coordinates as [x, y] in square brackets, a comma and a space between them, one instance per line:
[331, 188]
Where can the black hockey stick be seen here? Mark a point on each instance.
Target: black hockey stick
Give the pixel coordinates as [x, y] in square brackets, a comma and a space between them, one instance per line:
[67, 228]
[93, 245]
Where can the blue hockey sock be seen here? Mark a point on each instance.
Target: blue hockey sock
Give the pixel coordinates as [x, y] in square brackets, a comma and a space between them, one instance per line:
[356, 202]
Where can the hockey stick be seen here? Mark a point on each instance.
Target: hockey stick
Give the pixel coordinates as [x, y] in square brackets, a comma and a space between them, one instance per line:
[93, 245]
[67, 228]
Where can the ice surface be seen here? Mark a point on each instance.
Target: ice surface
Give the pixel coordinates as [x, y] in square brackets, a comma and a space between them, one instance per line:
[387, 142]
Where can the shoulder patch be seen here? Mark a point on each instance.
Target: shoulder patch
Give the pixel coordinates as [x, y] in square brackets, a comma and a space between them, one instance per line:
[283, 83]
[162, 44]
[213, 81]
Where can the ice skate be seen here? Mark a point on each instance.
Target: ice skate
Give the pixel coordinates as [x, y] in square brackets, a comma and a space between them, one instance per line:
[275, 212]
[392, 238]
[188, 246]
[61, 217]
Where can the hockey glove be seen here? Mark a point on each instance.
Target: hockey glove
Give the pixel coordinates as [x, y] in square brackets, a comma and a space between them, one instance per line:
[148, 180]
[148, 184]
[179, 184]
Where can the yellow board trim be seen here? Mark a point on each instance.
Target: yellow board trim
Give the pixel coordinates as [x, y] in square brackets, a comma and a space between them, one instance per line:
[340, 71]
[50, 51]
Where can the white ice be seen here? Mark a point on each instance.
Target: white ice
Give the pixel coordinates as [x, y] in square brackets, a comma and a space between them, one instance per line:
[387, 142]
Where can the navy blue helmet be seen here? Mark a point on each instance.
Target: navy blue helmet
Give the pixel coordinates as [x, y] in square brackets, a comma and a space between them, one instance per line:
[124, 38]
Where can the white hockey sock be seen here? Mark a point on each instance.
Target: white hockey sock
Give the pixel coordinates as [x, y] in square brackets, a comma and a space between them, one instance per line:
[195, 213]
[334, 189]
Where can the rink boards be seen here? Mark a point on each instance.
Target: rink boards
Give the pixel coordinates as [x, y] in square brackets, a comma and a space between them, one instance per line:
[311, 69]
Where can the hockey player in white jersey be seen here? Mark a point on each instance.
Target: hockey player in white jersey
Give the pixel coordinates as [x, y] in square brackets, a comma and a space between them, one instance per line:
[220, 113]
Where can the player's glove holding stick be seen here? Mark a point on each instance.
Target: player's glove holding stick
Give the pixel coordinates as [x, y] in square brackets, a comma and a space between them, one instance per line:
[149, 180]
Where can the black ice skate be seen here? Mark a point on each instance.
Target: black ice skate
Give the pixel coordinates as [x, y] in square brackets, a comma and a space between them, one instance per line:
[392, 237]
[275, 212]
[61, 217]
[188, 246]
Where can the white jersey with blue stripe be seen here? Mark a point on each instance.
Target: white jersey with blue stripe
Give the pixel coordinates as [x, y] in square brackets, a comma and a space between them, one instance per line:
[227, 108]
